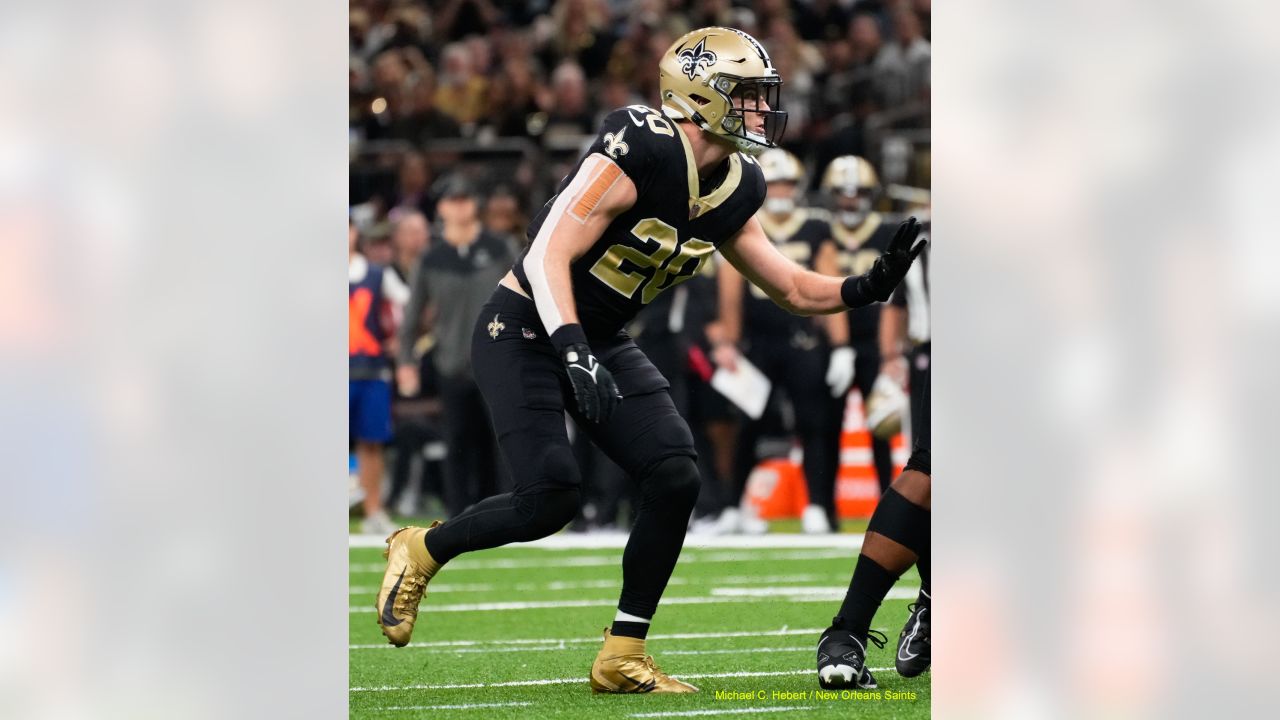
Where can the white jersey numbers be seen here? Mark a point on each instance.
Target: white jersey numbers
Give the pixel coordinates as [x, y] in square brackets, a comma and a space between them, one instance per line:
[658, 124]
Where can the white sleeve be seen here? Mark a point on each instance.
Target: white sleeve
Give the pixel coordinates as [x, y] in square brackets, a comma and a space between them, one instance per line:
[595, 174]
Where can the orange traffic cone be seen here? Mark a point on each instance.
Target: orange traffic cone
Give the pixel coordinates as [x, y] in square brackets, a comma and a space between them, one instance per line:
[777, 490]
[857, 487]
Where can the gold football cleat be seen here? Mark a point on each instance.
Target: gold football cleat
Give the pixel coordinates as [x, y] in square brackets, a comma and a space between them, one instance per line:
[622, 667]
[409, 568]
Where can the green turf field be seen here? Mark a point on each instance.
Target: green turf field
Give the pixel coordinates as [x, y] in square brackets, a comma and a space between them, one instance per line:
[511, 633]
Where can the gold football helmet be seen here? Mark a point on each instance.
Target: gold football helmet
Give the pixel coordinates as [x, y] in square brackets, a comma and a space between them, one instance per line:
[852, 186]
[716, 76]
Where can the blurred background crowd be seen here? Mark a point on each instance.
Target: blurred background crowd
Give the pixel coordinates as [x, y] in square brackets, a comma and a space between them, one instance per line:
[465, 114]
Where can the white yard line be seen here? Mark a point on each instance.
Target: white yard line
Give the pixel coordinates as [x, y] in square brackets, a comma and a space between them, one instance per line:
[749, 556]
[786, 591]
[825, 595]
[466, 686]
[781, 632]
[469, 706]
[554, 647]
[734, 711]
[618, 540]
[616, 560]
[754, 579]
[559, 585]
[583, 680]
[555, 585]
[740, 651]
[563, 646]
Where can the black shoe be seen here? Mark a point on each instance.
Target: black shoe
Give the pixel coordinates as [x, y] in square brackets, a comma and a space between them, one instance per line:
[913, 643]
[842, 657]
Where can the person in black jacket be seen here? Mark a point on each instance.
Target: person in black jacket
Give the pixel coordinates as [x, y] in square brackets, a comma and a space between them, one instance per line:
[456, 278]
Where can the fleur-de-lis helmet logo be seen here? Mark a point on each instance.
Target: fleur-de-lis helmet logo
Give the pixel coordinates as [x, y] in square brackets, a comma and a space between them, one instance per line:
[693, 58]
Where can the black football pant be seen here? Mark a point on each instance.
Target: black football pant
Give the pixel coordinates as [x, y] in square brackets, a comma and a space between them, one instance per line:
[920, 376]
[921, 436]
[797, 367]
[527, 390]
[696, 402]
[412, 434]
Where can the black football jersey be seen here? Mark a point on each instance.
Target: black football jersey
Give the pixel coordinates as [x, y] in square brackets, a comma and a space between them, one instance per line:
[667, 235]
[799, 237]
[858, 250]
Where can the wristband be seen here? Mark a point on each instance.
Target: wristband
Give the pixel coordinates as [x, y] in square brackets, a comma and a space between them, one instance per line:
[567, 335]
[854, 293]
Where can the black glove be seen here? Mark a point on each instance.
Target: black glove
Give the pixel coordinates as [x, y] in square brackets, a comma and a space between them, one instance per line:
[889, 269]
[593, 384]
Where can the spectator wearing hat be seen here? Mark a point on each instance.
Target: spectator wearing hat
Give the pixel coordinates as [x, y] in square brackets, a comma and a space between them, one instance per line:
[456, 278]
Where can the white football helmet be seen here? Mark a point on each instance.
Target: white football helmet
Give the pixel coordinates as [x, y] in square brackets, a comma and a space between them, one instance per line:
[854, 179]
[779, 166]
[885, 408]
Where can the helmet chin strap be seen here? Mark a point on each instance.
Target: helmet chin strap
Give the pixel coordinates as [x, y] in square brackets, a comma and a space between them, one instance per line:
[749, 143]
[753, 144]
[686, 111]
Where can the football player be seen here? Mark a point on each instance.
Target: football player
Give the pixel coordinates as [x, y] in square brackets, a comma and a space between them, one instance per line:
[906, 346]
[898, 535]
[809, 359]
[654, 195]
[851, 188]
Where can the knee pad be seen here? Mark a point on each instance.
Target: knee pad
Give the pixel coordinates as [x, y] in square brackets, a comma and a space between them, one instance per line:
[673, 480]
[556, 468]
[919, 461]
[551, 499]
[547, 511]
[902, 521]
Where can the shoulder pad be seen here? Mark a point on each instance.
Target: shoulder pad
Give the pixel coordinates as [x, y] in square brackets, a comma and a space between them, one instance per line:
[635, 138]
[753, 177]
[642, 109]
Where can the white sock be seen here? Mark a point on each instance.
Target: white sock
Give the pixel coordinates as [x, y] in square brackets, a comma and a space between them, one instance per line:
[626, 617]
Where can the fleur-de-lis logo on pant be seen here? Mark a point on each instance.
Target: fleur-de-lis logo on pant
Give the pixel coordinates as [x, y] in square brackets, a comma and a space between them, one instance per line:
[496, 327]
[697, 56]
